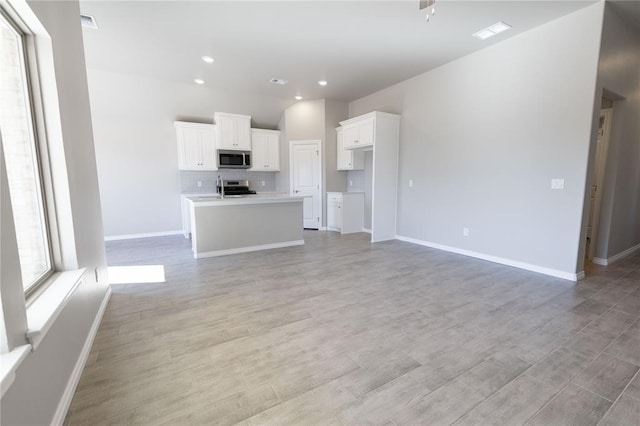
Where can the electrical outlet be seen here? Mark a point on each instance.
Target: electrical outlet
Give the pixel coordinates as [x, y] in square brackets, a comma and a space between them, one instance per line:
[465, 232]
[262, 183]
[199, 184]
[557, 183]
[410, 183]
[350, 183]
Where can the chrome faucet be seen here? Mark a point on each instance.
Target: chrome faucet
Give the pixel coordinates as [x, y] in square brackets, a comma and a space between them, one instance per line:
[220, 183]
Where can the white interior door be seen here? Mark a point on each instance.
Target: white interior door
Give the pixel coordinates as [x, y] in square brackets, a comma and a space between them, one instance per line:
[306, 176]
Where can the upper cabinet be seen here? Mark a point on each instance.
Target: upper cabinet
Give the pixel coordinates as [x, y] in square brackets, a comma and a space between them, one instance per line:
[359, 132]
[348, 159]
[265, 150]
[233, 131]
[196, 146]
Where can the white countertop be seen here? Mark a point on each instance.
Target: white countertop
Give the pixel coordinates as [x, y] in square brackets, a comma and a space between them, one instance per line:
[260, 198]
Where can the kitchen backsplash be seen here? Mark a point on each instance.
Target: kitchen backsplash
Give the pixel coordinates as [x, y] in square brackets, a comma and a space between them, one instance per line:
[189, 180]
[355, 181]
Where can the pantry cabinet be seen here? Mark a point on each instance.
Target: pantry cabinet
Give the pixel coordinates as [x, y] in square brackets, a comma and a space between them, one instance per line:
[379, 132]
[265, 150]
[196, 146]
[233, 131]
[348, 159]
[345, 212]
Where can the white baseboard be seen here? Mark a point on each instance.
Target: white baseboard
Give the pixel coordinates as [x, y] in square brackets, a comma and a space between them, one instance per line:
[226, 252]
[504, 261]
[616, 257]
[367, 230]
[147, 235]
[72, 384]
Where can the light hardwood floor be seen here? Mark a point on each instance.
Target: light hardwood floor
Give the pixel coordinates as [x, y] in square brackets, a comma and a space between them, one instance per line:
[340, 331]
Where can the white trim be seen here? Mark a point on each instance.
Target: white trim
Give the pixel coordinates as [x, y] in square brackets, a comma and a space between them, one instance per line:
[216, 253]
[600, 165]
[72, 384]
[44, 310]
[504, 261]
[145, 235]
[367, 230]
[10, 363]
[616, 257]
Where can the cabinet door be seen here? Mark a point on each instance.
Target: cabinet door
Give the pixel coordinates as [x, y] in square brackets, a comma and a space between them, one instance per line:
[243, 133]
[207, 137]
[273, 151]
[350, 135]
[259, 156]
[344, 159]
[189, 148]
[366, 131]
[226, 132]
[334, 213]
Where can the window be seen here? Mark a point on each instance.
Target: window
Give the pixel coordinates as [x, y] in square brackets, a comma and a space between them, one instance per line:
[22, 160]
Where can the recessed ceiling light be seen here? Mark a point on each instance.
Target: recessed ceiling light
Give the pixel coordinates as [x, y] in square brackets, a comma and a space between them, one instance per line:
[198, 81]
[298, 98]
[322, 83]
[494, 29]
[208, 59]
[279, 81]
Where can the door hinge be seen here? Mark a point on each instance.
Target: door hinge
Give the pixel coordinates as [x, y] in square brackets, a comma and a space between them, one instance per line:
[317, 152]
[318, 219]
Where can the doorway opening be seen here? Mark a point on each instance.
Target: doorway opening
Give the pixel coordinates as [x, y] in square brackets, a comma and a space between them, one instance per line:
[597, 180]
[305, 165]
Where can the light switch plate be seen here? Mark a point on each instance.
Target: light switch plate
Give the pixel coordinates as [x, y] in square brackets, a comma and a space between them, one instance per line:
[410, 183]
[557, 183]
[465, 232]
[199, 184]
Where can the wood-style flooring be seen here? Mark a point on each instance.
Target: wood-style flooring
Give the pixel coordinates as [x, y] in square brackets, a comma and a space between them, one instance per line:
[343, 332]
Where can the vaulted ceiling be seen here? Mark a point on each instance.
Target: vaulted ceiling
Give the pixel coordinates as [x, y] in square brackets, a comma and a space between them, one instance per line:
[359, 47]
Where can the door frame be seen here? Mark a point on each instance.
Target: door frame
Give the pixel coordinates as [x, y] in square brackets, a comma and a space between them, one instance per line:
[601, 167]
[318, 144]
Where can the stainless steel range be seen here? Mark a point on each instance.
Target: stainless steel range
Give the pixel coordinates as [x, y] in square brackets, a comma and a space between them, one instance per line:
[234, 187]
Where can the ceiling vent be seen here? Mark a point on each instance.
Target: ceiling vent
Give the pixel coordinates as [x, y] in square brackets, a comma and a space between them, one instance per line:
[88, 22]
[278, 81]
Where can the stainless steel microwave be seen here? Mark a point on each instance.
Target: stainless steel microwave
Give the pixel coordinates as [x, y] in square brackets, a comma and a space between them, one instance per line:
[234, 159]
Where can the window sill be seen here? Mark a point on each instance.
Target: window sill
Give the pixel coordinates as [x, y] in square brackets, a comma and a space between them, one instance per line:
[42, 313]
[9, 363]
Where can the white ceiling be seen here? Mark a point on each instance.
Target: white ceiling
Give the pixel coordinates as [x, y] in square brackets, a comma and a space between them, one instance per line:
[359, 47]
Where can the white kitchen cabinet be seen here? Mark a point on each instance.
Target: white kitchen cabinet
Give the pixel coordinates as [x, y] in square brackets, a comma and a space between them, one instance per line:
[265, 150]
[233, 131]
[380, 132]
[345, 212]
[348, 159]
[196, 146]
[359, 132]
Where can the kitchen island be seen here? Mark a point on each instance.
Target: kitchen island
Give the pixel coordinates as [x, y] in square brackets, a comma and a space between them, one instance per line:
[239, 224]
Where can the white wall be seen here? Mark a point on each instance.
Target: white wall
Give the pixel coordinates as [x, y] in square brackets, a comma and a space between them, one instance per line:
[42, 378]
[136, 145]
[303, 120]
[310, 120]
[619, 77]
[483, 136]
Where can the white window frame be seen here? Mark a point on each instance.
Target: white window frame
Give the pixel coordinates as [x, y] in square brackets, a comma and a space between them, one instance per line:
[39, 159]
